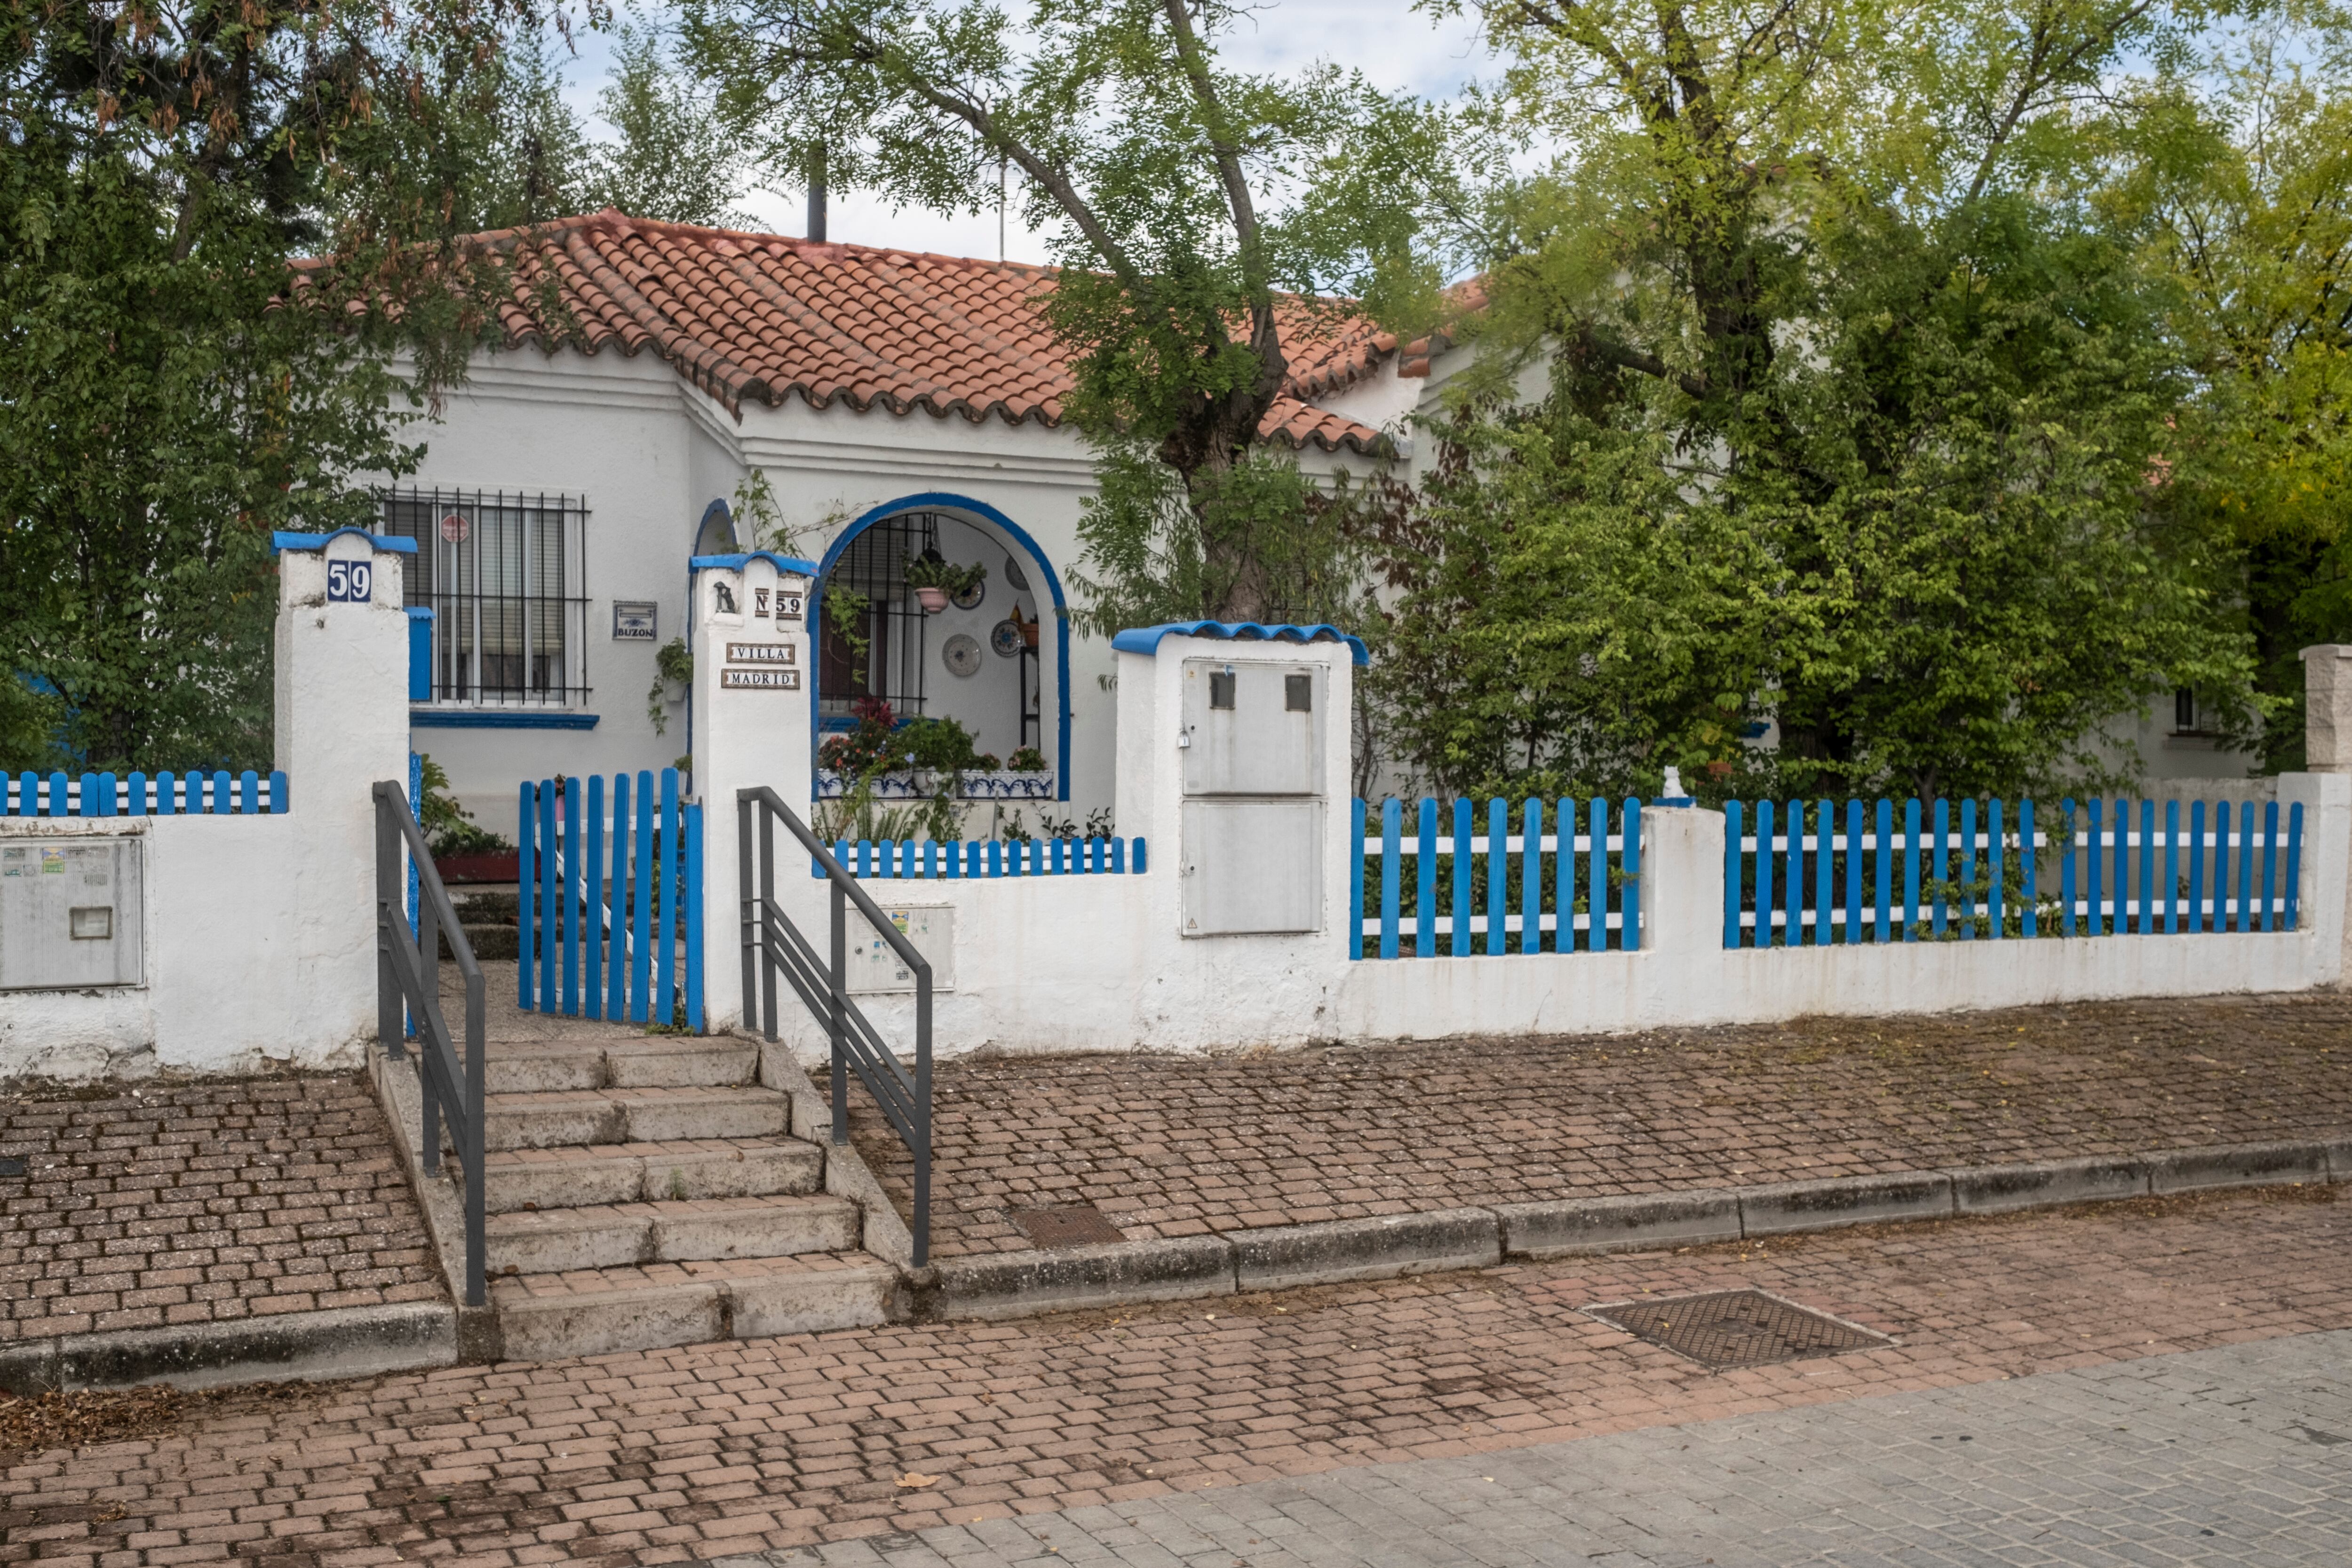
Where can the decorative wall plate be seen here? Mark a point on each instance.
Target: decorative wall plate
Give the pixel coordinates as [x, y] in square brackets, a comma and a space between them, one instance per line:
[1005, 639]
[971, 597]
[1015, 576]
[961, 654]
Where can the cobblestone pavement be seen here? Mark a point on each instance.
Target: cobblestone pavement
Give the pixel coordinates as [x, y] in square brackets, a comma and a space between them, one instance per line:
[1174, 1145]
[169, 1204]
[2235, 1456]
[713, 1450]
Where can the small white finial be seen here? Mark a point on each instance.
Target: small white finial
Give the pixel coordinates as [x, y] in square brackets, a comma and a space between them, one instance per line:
[1673, 788]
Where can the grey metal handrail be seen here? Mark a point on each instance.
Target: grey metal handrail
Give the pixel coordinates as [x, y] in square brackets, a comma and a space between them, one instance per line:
[408, 971]
[772, 944]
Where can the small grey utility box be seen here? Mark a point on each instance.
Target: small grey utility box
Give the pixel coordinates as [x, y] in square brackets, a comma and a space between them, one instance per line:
[70, 912]
[1253, 814]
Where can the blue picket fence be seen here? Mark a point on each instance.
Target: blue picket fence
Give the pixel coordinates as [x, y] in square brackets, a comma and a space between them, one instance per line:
[964, 859]
[221, 794]
[612, 900]
[1811, 873]
[1575, 886]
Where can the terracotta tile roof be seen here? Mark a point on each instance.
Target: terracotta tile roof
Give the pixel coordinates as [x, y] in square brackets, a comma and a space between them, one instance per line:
[1468, 297]
[764, 317]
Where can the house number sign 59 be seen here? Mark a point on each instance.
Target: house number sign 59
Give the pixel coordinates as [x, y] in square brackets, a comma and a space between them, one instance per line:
[350, 582]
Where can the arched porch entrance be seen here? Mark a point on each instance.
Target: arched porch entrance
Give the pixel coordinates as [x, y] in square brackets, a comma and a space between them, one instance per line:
[970, 662]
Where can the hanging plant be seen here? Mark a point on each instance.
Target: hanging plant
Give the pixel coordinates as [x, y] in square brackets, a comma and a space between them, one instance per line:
[673, 666]
[935, 581]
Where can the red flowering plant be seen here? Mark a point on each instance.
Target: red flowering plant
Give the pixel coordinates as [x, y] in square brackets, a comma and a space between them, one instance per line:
[868, 748]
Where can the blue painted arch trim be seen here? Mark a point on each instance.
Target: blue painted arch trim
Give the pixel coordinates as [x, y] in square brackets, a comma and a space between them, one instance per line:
[307, 541]
[943, 500]
[1146, 639]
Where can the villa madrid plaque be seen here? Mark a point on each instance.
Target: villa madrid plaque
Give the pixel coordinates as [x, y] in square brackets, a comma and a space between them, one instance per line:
[760, 679]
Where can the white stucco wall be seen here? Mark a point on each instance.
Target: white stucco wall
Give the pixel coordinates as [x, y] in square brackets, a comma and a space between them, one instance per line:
[649, 453]
[1101, 962]
[260, 930]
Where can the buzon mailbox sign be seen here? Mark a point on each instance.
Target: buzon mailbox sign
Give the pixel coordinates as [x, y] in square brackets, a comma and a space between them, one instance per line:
[350, 582]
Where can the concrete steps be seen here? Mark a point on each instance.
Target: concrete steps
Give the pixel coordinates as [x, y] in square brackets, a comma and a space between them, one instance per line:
[564, 1117]
[614, 1235]
[596, 1312]
[587, 1174]
[568, 1064]
[642, 1191]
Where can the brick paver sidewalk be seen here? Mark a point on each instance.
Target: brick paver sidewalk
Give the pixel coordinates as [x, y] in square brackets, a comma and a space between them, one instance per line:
[716, 1449]
[170, 1204]
[1179, 1145]
[2220, 1457]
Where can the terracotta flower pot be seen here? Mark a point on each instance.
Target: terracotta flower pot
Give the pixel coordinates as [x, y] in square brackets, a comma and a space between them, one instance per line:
[934, 600]
[1029, 632]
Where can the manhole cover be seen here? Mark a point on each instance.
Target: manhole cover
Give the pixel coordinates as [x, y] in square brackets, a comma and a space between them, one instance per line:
[1068, 1224]
[1728, 1328]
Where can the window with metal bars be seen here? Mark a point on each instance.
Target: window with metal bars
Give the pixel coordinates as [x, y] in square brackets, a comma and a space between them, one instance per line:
[504, 572]
[890, 666]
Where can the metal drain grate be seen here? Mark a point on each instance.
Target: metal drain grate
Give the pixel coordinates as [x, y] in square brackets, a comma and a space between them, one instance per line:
[1068, 1225]
[1727, 1328]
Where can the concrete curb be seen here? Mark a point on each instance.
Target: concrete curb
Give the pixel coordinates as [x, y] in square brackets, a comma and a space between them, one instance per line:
[1365, 1248]
[344, 1342]
[1780, 1209]
[1023, 1284]
[1026, 1284]
[1537, 1231]
[2243, 1165]
[2006, 1189]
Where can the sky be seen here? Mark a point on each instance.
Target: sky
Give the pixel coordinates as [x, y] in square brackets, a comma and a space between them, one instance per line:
[1395, 47]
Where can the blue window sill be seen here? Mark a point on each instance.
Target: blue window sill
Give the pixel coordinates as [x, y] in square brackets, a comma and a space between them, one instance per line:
[497, 719]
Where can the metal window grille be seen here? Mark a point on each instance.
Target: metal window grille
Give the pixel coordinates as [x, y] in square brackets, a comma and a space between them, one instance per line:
[504, 572]
[891, 665]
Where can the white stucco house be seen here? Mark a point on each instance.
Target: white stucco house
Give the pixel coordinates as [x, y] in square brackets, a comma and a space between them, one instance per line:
[894, 402]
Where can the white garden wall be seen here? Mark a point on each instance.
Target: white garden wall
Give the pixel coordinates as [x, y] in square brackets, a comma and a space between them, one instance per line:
[1102, 962]
[260, 930]
[261, 939]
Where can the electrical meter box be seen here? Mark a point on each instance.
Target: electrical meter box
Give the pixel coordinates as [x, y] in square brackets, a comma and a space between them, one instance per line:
[1253, 812]
[70, 912]
[1252, 866]
[873, 967]
[1253, 729]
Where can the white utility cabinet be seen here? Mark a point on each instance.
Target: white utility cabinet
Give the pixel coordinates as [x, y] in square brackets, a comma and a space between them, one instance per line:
[1254, 796]
[72, 912]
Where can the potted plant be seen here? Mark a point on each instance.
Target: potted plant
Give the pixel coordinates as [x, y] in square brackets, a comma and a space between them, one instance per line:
[936, 581]
[462, 851]
[1029, 760]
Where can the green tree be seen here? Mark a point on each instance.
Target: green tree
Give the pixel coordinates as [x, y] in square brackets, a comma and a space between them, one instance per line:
[171, 399]
[1199, 214]
[673, 159]
[1839, 271]
[490, 136]
[28, 724]
[2240, 165]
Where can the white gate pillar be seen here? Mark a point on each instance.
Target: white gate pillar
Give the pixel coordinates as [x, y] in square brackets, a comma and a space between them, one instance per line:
[342, 724]
[751, 697]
